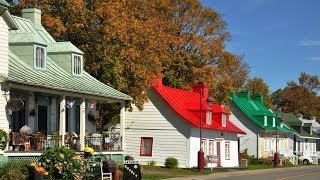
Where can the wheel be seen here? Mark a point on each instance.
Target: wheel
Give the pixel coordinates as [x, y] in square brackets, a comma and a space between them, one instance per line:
[305, 162]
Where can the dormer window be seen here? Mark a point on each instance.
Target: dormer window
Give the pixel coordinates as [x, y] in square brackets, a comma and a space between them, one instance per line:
[265, 119]
[209, 117]
[274, 122]
[77, 64]
[39, 57]
[224, 119]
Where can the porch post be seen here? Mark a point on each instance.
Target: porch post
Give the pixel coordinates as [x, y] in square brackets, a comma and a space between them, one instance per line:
[122, 118]
[62, 121]
[82, 123]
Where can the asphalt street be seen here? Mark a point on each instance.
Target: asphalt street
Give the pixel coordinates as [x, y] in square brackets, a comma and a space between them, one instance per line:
[293, 173]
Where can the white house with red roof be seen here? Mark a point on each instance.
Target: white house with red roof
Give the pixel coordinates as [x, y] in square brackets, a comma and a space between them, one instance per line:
[169, 126]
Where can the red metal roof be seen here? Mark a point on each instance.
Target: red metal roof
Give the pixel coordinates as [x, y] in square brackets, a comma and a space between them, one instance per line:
[186, 105]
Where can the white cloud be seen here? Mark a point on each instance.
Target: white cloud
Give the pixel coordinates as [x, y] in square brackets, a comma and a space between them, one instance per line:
[315, 58]
[309, 43]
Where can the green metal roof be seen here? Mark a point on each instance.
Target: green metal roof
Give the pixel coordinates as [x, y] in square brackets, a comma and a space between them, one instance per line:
[54, 77]
[295, 124]
[26, 27]
[4, 3]
[255, 111]
[60, 47]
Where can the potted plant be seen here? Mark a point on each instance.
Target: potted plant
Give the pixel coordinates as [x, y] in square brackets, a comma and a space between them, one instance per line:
[3, 139]
[88, 151]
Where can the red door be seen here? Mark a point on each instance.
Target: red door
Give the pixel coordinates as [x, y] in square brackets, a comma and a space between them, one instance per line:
[218, 154]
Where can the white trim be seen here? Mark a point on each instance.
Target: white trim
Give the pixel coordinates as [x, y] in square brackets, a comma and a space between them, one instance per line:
[73, 65]
[265, 120]
[35, 57]
[209, 117]
[223, 119]
[273, 122]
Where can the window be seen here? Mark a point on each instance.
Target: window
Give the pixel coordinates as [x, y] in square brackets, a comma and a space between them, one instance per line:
[77, 64]
[267, 144]
[274, 122]
[146, 146]
[227, 150]
[209, 117]
[281, 144]
[204, 146]
[265, 120]
[224, 119]
[211, 146]
[40, 57]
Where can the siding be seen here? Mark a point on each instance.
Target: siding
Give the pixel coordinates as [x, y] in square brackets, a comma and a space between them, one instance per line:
[216, 137]
[249, 141]
[4, 43]
[4, 124]
[170, 134]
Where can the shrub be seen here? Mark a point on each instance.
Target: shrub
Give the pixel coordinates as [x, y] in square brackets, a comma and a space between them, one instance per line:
[127, 157]
[151, 163]
[14, 171]
[4, 136]
[286, 162]
[171, 162]
[62, 163]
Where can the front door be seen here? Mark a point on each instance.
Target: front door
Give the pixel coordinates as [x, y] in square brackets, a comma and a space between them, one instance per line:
[42, 119]
[218, 154]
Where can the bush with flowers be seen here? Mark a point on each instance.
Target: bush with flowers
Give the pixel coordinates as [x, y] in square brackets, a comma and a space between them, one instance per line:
[89, 151]
[62, 163]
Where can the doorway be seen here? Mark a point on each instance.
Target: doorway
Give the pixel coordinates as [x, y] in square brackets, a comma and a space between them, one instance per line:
[218, 154]
[42, 119]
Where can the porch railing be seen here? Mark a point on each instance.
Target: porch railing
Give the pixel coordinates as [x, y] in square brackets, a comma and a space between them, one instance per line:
[104, 143]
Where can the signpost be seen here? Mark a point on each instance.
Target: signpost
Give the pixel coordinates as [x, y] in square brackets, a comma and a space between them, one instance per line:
[131, 170]
[212, 159]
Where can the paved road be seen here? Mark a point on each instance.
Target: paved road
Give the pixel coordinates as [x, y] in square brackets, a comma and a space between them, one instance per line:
[294, 173]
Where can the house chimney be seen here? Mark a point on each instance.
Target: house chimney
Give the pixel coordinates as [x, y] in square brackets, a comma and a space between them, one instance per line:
[259, 98]
[245, 94]
[300, 116]
[34, 15]
[197, 88]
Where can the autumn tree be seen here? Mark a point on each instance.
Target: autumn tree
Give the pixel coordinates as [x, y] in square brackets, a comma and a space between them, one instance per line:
[256, 85]
[128, 44]
[300, 97]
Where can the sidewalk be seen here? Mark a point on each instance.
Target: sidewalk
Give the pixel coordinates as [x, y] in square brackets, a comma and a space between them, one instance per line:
[234, 173]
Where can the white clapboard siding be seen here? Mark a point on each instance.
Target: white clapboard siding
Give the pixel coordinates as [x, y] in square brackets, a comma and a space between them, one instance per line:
[249, 141]
[169, 132]
[4, 64]
[215, 137]
[3, 47]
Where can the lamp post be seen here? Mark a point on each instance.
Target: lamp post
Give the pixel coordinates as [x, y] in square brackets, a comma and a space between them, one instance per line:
[276, 154]
[200, 152]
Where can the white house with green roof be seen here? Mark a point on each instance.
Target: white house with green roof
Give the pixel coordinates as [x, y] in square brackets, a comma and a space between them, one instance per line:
[260, 125]
[45, 90]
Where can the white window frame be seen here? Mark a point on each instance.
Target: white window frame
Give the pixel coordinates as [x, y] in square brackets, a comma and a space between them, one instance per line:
[211, 147]
[209, 117]
[227, 150]
[267, 144]
[224, 119]
[204, 146]
[40, 57]
[281, 144]
[77, 69]
[265, 120]
[273, 122]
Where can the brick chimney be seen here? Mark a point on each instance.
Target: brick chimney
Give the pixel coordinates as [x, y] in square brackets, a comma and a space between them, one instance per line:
[197, 88]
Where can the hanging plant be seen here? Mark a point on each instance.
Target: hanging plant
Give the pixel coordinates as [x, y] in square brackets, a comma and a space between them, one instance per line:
[91, 118]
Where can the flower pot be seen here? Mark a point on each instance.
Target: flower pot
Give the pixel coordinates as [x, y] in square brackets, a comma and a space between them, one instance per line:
[87, 154]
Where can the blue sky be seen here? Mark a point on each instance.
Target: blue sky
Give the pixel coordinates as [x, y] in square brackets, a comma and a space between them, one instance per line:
[278, 38]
